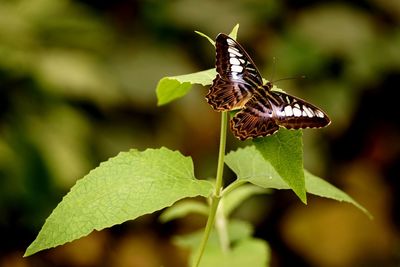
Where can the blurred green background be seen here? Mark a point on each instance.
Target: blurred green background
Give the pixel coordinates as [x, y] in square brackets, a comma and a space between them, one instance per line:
[77, 85]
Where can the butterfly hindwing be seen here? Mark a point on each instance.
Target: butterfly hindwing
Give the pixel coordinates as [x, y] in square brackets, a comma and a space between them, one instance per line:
[255, 119]
[267, 110]
[237, 76]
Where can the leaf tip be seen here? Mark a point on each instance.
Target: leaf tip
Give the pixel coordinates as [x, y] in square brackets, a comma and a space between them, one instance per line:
[206, 36]
[31, 250]
[302, 195]
[234, 31]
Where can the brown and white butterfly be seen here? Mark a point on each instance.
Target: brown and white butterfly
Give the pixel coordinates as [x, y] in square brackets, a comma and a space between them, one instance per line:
[239, 85]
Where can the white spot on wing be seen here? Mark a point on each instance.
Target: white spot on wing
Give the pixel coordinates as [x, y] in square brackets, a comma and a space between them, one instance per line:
[234, 52]
[236, 68]
[235, 76]
[280, 113]
[296, 112]
[319, 113]
[234, 61]
[297, 105]
[309, 112]
[288, 111]
[230, 41]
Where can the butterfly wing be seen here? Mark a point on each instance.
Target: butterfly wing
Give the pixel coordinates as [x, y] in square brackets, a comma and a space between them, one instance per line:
[237, 76]
[295, 113]
[255, 119]
[267, 110]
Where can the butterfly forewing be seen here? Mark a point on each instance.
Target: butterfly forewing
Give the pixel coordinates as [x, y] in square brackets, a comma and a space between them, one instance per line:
[237, 76]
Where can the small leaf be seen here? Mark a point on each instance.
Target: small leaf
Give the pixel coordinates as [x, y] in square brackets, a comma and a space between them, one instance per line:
[206, 36]
[250, 165]
[284, 150]
[237, 230]
[246, 250]
[204, 77]
[174, 87]
[233, 33]
[239, 195]
[123, 188]
[252, 252]
[183, 208]
[322, 188]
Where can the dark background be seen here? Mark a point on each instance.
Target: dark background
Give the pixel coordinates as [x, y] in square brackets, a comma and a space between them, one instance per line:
[77, 86]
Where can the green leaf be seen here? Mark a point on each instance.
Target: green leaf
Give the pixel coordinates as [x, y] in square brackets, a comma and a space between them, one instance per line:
[251, 166]
[284, 150]
[206, 36]
[249, 252]
[246, 250]
[237, 230]
[322, 188]
[183, 208]
[232, 200]
[174, 87]
[123, 188]
[233, 33]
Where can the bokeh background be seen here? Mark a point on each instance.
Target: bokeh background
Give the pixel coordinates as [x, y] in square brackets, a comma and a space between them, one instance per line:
[77, 86]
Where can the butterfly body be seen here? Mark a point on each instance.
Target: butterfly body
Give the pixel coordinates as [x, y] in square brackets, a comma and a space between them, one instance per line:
[239, 85]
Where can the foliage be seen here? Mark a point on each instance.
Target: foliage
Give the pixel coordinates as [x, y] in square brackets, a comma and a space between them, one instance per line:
[135, 183]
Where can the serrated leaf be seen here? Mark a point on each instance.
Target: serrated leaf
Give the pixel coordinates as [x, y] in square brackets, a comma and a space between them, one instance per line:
[232, 200]
[174, 87]
[250, 165]
[246, 250]
[284, 150]
[183, 208]
[123, 188]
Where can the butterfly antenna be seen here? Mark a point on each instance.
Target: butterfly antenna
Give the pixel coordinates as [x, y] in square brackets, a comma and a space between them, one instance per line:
[291, 78]
[273, 68]
[283, 79]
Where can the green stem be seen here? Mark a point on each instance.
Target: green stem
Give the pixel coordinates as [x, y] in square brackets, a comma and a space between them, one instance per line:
[221, 154]
[233, 186]
[217, 191]
[222, 228]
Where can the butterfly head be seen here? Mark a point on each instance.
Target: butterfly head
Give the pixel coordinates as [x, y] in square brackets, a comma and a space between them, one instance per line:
[268, 86]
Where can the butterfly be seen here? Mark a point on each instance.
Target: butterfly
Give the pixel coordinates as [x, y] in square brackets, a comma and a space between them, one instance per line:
[239, 85]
